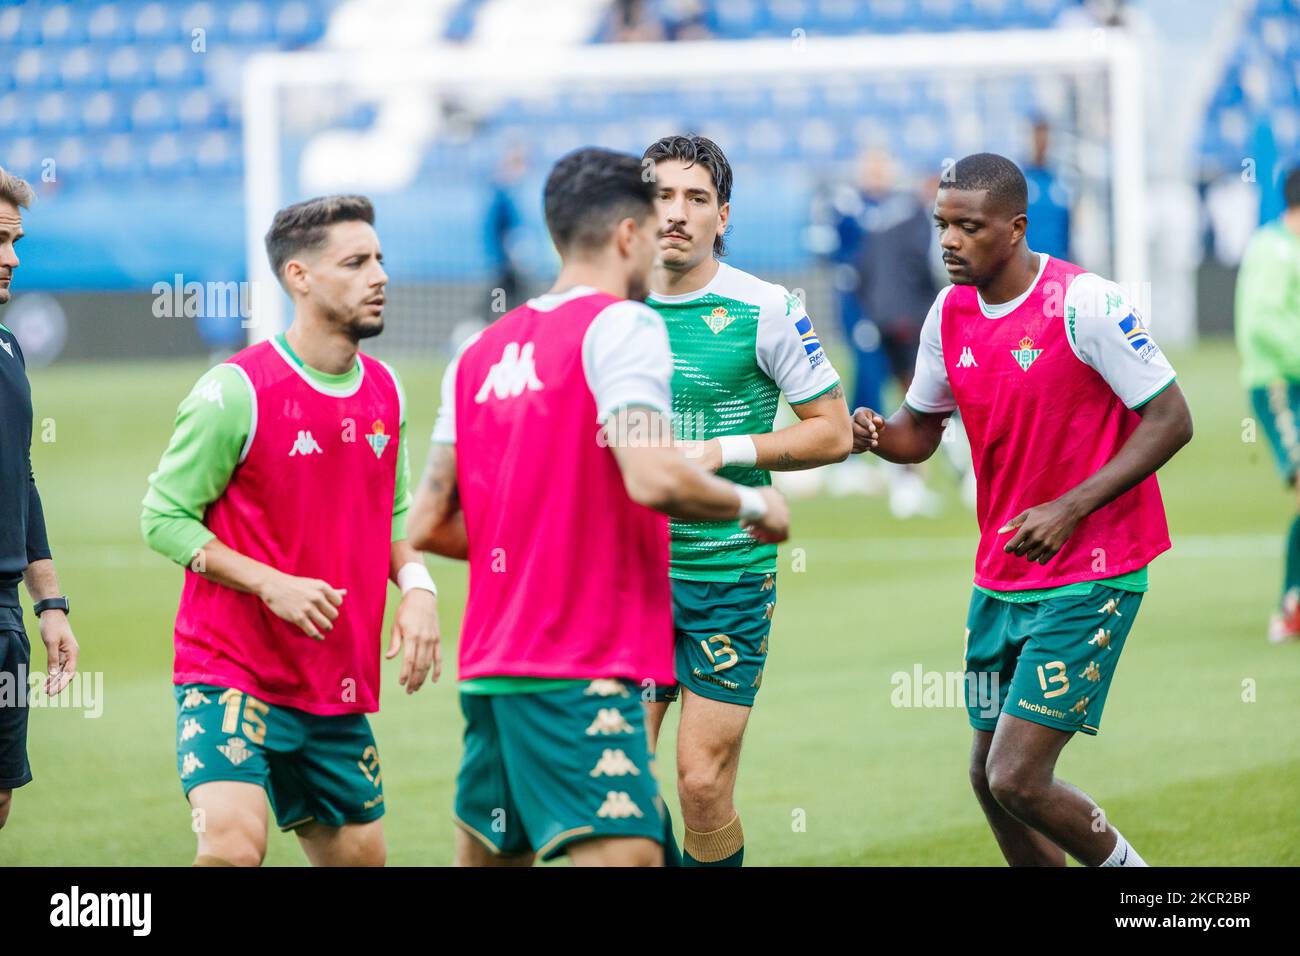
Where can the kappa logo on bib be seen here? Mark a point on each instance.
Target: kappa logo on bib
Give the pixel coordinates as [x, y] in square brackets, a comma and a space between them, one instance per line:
[511, 376]
[305, 444]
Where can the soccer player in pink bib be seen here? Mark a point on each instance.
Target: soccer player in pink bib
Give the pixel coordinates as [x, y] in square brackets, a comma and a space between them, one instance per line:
[552, 471]
[1071, 408]
[283, 493]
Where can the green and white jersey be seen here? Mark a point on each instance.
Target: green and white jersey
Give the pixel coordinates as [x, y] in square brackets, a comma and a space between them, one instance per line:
[1268, 308]
[738, 345]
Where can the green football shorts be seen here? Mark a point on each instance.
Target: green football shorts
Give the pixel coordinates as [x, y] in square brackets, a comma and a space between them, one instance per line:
[1277, 408]
[542, 770]
[721, 632]
[312, 767]
[1050, 661]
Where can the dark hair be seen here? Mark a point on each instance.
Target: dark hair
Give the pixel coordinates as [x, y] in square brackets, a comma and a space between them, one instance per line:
[691, 149]
[997, 174]
[1291, 187]
[305, 225]
[589, 191]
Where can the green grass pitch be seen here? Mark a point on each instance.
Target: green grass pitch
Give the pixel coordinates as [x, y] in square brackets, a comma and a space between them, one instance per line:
[1198, 761]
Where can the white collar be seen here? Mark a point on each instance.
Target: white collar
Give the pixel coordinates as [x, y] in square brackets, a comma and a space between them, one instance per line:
[553, 300]
[1003, 309]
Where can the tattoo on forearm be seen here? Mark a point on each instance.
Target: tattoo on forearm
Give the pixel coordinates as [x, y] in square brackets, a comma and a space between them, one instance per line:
[440, 473]
[787, 462]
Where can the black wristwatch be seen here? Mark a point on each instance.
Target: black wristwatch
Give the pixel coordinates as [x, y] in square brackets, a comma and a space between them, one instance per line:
[51, 604]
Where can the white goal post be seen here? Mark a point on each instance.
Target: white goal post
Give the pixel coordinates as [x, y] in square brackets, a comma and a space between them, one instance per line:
[485, 71]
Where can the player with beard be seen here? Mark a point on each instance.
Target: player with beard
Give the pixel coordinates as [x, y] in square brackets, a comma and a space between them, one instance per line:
[739, 344]
[284, 496]
[1071, 408]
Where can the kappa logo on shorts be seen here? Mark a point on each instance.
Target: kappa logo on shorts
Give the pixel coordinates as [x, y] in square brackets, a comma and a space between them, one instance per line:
[618, 806]
[235, 750]
[1080, 706]
[1101, 638]
[606, 687]
[609, 721]
[614, 763]
[193, 698]
[1092, 672]
[189, 763]
[191, 728]
[1111, 607]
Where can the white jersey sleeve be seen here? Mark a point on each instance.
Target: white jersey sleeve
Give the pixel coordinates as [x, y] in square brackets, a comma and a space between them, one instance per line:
[788, 350]
[627, 359]
[444, 426]
[1107, 333]
[930, 391]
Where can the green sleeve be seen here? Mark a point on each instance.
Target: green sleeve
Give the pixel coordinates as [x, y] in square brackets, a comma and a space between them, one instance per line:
[1268, 323]
[212, 427]
[402, 489]
[402, 486]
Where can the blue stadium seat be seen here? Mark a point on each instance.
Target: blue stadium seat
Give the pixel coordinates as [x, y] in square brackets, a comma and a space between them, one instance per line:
[103, 111]
[107, 24]
[249, 21]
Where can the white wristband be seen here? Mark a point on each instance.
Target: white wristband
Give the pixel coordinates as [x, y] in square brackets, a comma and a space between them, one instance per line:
[752, 504]
[413, 575]
[738, 450]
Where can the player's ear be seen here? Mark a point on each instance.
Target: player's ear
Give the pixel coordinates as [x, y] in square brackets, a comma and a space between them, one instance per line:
[295, 277]
[625, 236]
[724, 214]
[1019, 225]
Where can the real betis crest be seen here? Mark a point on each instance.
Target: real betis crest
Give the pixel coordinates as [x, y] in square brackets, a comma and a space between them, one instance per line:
[718, 319]
[1026, 354]
[377, 438]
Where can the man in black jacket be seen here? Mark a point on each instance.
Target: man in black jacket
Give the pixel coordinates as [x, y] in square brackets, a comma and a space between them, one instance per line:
[24, 551]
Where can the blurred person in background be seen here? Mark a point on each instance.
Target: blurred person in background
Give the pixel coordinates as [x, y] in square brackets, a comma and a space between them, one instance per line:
[24, 549]
[1268, 337]
[502, 225]
[896, 284]
[850, 207]
[639, 21]
[887, 246]
[1049, 202]
[635, 22]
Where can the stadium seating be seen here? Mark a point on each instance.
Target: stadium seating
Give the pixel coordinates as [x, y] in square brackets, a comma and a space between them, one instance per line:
[139, 99]
[1261, 78]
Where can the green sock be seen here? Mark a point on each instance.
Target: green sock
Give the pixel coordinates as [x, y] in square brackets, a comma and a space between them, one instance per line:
[736, 859]
[1292, 577]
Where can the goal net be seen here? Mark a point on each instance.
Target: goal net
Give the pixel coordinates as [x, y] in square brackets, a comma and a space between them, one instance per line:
[453, 145]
